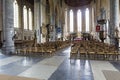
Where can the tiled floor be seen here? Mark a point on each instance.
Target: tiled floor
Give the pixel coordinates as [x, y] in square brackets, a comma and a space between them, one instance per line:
[74, 70]
[57, 67]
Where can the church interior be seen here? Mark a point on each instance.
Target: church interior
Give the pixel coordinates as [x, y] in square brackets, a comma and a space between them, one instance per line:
[59, 40]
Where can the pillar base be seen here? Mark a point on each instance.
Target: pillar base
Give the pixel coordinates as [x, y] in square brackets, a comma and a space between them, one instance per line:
[8, 50]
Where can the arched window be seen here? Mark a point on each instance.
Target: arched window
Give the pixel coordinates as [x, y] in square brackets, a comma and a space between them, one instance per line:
[25, 17]
[16, 20]
[30, 19]
[87, 20]
[79, 21]
[71, 21]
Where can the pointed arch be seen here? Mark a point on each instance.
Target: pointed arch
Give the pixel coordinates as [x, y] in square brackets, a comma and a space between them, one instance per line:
[79, 20]
[16, 13]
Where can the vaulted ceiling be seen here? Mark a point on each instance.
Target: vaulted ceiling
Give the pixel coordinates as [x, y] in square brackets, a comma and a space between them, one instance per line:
[77, 3]
[72, 3]
[30, 1]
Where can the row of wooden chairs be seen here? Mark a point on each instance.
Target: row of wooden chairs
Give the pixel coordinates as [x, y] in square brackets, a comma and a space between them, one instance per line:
[94, 50]
[48, 48]
[35, 50]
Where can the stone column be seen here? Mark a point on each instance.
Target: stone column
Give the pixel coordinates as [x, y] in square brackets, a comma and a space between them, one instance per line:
[93, 23]
[83, 21]
[27, 18]
[75, 20]
[53, 31]
[90, 19]
[37, 19]
[1, 22]
[114, 19]
[1, 14]
[8, 27]
[68, 21]
[21, 20]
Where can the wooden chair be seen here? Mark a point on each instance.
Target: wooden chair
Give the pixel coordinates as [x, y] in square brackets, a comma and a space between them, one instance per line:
[82, 52]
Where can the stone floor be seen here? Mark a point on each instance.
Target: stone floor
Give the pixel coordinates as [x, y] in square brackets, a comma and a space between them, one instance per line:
[57, 67]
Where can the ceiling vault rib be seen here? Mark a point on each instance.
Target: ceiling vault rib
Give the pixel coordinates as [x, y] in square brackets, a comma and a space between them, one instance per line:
[77, 3]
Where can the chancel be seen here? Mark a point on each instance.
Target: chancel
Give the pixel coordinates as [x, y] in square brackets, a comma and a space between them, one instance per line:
[59, 39]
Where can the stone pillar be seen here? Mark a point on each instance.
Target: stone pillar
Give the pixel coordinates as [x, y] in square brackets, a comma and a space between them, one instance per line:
[90, 19]
[83, 21]
[1, 22]
[1, 14]
[37, 19]
[27, 18]
[8, 27]
[93, 23]
[20, 6]
[75, 20]
[68, 21]
[53, 31]
[114, 19]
